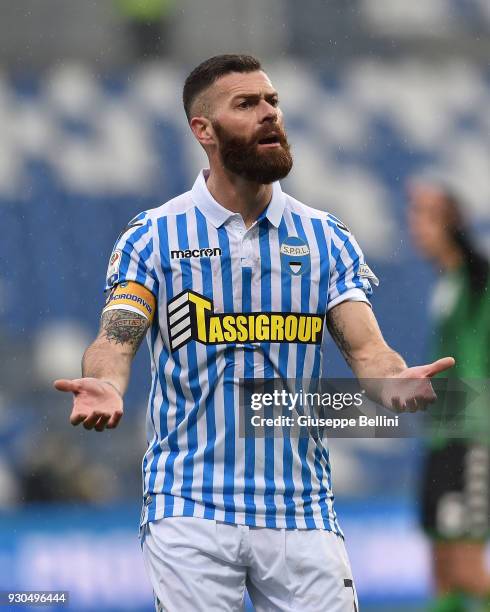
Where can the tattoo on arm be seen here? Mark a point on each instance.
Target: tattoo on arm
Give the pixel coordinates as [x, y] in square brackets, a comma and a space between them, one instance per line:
[336, 329]
[124, 327]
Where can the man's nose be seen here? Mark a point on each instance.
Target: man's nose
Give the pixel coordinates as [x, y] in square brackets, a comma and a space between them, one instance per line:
[268, 112]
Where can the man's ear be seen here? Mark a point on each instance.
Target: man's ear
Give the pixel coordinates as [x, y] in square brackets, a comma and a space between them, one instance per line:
[203, 130]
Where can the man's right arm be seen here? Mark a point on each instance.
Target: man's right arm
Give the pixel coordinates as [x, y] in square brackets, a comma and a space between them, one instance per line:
[109, 357]
[106, 365]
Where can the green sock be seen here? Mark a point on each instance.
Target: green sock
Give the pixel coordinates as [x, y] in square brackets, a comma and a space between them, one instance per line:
[453, 602]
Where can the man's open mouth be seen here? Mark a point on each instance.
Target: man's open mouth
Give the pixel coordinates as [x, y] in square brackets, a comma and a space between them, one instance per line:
[273, 139]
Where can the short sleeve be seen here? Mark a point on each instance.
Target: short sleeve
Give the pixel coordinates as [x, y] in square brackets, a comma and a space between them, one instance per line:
[132, 256]
[348, 271]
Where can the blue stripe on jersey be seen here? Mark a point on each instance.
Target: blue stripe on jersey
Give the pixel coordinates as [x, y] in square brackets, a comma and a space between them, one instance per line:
[128, 248]
[228, 383]
[265, 289]
[287, 454]
[340, 268]
[303, 443]
[193, 379]
[322, 493]
[208, 454]
[141, 217]
[164, 407]
[248, 372]
[318, 228]
[328, 473]
[305, 304]
[142, 274]
[323, 284]
[172, 436]
[338, 232]
[305, 299]
[354, 255]
[151, 403]
[285, 301]
[266, 306]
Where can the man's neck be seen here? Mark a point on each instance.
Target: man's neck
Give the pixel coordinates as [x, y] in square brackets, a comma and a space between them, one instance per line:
[239, 195]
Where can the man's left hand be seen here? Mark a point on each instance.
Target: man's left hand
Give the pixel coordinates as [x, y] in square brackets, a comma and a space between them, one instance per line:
[411, 389]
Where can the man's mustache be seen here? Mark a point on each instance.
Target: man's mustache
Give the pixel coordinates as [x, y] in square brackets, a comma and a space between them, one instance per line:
[277, 132]
[239, 142]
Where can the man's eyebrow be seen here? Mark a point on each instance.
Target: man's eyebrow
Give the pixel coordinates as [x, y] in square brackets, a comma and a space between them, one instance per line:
[255, 96]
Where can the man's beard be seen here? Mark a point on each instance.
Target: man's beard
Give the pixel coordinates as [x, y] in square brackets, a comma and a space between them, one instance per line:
[244, 158]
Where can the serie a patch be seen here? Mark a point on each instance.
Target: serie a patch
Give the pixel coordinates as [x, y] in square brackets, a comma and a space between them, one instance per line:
[113, 268]
[134, 297]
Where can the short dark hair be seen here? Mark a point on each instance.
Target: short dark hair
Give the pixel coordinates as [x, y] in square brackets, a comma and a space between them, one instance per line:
[211, 70]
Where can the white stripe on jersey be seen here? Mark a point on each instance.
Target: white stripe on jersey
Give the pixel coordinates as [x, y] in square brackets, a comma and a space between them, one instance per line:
[196, 463]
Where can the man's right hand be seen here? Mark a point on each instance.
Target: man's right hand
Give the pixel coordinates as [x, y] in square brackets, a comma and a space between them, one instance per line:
[96, 403]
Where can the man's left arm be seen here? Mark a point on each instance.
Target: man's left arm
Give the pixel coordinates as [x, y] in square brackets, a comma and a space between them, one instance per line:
[385, 375]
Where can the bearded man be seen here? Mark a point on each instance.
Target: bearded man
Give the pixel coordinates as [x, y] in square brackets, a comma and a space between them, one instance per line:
[236, 280]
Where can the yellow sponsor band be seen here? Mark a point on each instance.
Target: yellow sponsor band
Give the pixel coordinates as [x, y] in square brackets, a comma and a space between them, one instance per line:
[134, 297]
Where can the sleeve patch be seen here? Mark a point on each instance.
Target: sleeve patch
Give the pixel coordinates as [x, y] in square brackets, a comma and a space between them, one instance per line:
[134, 297]
[113, 268]
[366, 272]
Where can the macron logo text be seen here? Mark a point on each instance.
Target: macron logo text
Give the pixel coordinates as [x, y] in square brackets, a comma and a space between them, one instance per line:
[195, 253]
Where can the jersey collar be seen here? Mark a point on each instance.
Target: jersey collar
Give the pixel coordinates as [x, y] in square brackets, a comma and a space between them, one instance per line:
[217, 214]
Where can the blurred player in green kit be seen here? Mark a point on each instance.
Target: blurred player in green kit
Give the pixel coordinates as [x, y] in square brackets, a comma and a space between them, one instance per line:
[456, 481]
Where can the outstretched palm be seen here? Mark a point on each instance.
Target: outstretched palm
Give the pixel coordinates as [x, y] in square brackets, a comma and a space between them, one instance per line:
[96, 403]
[411, 390]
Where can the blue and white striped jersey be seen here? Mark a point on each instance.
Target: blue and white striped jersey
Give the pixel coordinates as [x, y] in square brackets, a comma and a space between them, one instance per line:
[235, 303]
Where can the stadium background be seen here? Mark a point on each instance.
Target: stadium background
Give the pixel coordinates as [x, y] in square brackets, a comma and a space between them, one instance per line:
[92, 132]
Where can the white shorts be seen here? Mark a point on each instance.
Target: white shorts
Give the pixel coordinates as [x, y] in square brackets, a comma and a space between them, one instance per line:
[201, 565]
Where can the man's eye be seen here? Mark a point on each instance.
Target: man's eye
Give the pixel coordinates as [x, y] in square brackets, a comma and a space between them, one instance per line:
[274, 102]
[244, 104]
